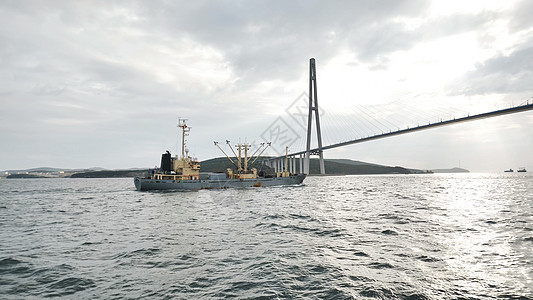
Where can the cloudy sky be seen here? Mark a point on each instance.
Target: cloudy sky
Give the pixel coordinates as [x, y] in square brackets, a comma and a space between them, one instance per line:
[102, 83]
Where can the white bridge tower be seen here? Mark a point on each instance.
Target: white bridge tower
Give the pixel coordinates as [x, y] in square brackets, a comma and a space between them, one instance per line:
[313, 107]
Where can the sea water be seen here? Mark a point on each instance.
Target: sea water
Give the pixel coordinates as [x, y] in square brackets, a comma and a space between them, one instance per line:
[449, 236]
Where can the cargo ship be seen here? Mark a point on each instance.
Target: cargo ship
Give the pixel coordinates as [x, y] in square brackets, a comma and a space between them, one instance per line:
[183, 173]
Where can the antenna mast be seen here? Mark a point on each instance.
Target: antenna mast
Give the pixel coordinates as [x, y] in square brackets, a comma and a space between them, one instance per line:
[184, 132]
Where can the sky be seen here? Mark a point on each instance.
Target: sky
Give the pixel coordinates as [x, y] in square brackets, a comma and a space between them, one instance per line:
[103, 83]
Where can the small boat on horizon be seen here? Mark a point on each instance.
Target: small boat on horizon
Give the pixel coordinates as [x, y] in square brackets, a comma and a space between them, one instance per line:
[509, 171]
[521, 170]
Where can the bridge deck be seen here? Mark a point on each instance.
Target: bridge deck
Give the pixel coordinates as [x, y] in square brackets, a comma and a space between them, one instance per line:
[501, 112]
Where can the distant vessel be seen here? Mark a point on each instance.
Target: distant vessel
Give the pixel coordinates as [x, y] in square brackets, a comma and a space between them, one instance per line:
[509, 171]
[521, 170]
[184, 173]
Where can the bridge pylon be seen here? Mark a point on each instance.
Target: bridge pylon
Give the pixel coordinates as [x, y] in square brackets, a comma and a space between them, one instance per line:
[313, 107]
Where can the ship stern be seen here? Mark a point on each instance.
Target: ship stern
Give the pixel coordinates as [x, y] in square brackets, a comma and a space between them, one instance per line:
[138, 183]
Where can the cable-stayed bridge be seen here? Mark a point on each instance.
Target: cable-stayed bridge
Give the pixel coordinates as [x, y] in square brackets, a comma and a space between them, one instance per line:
[298, 161]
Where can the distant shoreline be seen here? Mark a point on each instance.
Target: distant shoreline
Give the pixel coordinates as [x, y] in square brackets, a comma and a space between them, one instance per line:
[334, 167]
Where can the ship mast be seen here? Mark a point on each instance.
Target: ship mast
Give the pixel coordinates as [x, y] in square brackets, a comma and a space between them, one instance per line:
[184, 132]
[240, 157]
[246, 146]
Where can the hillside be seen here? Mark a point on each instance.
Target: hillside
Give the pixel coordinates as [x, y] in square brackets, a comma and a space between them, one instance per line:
[352, 162]
[333, 166]
[110, 174]
[452, 170]
[353, 168]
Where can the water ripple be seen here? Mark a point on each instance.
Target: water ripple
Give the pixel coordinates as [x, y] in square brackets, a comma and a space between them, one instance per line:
[434, 236]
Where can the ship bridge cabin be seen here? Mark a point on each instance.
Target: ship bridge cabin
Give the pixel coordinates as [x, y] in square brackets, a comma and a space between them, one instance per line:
[173, 168]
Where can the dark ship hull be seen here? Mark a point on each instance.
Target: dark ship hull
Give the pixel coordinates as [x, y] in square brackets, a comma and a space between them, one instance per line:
[146, 184]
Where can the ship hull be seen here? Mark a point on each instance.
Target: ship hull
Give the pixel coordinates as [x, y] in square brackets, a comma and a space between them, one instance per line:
[145, 184]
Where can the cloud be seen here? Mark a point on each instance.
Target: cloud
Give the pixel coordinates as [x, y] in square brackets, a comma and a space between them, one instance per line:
[501, 74]
[103, 77]
[520, 18]
[267, 40]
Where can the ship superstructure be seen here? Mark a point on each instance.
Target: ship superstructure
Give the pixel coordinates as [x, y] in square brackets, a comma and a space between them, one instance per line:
[176, 168]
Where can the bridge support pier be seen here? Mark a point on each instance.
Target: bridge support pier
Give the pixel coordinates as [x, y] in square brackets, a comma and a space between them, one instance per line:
[290, 165]
[293, 165]
[306, 163]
